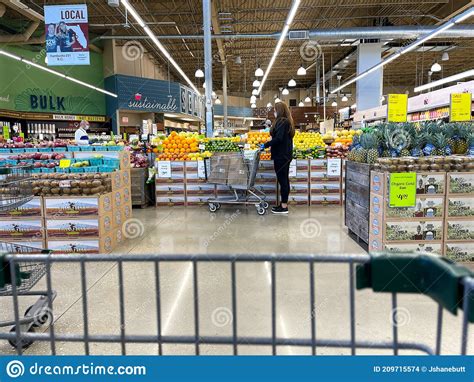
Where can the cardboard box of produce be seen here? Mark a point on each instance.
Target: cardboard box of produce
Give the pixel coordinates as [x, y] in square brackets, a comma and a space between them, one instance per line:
[55, 207]
[200, 189]
[16, 229]
[30, 209]
[460, 252]
[430, 183]
[117, 202]
[32, 247]
[170, 201]
[82, 245]
[124, 157]
[118, 235]
[459, 230]
[127, 211]
[322, 176]
[299, 188]
[298, 199]
[375, 233]
[68, 228]
[425, 207]
[116, 180]
[460, 207]
[126, 195]
[431, 230]
[117, 218]
[326, 188]
[431, 248]
[377, 205]
[324, 199]
[266, 165]
[318, 164]
[169, 189]
[461, 183]
[197, 200]
[126, 178]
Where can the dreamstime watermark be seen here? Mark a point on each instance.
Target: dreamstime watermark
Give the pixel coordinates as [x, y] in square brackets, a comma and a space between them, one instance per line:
[400, 316]
[228, 221]
[38, 58]
[132, 50]
[133, 228]
[310, 50]
[15, 369]
[221, 317]
[310, 228]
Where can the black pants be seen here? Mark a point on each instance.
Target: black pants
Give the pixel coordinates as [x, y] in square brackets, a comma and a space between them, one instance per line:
[282, 170]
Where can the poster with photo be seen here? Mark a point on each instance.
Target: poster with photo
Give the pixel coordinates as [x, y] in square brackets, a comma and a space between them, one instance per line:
[67, 34]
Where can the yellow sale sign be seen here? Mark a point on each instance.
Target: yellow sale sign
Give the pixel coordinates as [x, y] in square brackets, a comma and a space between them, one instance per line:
[461, 105]
[397, 107]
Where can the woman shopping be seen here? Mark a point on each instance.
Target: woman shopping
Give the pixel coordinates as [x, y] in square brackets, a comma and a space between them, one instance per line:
[281, 145]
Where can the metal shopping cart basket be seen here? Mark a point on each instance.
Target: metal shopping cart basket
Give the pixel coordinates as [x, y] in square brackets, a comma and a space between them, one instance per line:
[15, 190]
[237, 170]
[449, 285]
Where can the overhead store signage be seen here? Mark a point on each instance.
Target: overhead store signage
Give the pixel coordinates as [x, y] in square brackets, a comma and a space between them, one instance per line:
[402, 189]
[461, 105]
[154, 96]
[397, 107]
[88, 118]
[67, 34]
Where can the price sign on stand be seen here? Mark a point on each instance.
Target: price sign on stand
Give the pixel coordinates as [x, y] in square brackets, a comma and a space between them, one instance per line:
[293, 169]
[402, 189]
[397, 107]
[22, 136]
[334, 166]
[202, 146]
[64, 163]
[6, 132]
[460, 109]
[247, 146]
[163, 169]
[201, 169]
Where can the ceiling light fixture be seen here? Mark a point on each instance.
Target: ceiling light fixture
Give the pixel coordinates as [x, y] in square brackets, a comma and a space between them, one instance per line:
[436, 67]
[253, 106]
[258, 72]
[292, 83]
[59, 74]
[344, 98]
[307, 99]
[445, 56]
[301, 104]
[163, 50]
[277, 100]
[269, 104]
[204, 84]
[253, 99]
[421, 40]
[254, 92]
[334, 104]
[199, 73]
[301, 71]
[256, 84]
[281, 40]
[217, 101]
[353, 107]
[456, 77]
[285, 91]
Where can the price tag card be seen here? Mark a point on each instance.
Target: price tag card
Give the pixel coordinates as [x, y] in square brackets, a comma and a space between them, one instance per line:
[402, 189]
[163, 169]
[64, 183]
[397, 107]
[64, 163]
[293, 169]
[247, 146]
[461, 104]
[201, 169]
[6, 132]
[202, 146]
[22, 135]
[334, 166]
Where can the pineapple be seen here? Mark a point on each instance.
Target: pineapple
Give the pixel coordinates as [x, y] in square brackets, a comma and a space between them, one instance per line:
[471, 144]
[441, 143]
[361, 155]
[452, 134]
[461, 145]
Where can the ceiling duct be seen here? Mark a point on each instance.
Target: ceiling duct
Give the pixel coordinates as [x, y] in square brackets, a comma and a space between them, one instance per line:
[298, 35]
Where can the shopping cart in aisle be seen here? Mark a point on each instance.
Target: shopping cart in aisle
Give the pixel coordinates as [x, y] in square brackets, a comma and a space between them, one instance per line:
[15, 190]
[449, 285]
[236, 170]
[16, 186]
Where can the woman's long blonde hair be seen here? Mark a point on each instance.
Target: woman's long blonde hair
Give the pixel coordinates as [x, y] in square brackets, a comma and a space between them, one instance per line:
[282, 111]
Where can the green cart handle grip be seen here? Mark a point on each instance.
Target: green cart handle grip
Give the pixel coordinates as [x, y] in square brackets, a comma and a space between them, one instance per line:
[436, 277]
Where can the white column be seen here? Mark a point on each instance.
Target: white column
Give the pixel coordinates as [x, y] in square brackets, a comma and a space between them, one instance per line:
[369, 88]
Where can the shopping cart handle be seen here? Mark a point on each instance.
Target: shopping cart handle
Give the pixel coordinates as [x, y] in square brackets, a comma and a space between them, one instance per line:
[436, 277]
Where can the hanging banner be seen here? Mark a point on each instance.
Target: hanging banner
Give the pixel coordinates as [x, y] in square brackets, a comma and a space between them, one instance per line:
[397, 107]
[460, 110]
[67, 34]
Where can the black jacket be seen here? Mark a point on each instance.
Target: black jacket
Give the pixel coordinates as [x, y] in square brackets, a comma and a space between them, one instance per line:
[281, 143]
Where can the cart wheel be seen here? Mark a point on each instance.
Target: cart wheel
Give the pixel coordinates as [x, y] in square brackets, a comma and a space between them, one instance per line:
[265, 205]
[24, 343]
[212, 207]
[218, 206]
[41, 320]
[261, 211]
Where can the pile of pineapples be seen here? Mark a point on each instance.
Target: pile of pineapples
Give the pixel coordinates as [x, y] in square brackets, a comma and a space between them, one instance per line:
[407, 139]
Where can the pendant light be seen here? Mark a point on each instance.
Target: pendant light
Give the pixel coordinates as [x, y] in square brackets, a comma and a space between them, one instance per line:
[204, 84]
[269, 105]
[334, 104]
[277, 100]
[256, 83]
[253, 106]
[199, 73]
[307, 99]
[301, 71]
[285, 91]
[344, 98]
[445, 56]
[301, 104]
[292, 83]
[214, 95]
[255, 92]
[217, 101]
[258, 72]
[436, 67]
[253, 99]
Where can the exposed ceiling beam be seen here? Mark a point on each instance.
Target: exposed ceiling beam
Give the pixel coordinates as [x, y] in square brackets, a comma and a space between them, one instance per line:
[23, 9]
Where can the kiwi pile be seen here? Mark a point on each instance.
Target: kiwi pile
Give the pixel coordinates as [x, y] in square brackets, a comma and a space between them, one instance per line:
[429, 163]
[71, 184]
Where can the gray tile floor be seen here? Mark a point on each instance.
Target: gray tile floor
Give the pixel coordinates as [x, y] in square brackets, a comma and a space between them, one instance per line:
[196, 231]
